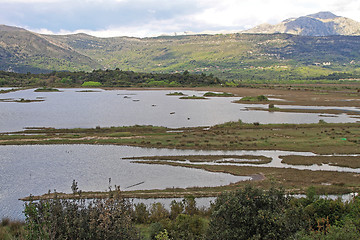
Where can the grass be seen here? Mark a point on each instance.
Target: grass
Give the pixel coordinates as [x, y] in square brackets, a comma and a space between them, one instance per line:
[11, 90]
[213, 94]
[209, 158]
[294, 110]
[339, 161]
[318, 138]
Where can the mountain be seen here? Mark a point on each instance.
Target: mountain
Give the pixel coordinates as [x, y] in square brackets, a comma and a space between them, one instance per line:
[319, 24]
[25, 51]
[228, 56]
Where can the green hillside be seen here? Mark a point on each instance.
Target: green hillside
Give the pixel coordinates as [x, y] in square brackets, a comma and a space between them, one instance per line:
[24, 51]
[230, 56]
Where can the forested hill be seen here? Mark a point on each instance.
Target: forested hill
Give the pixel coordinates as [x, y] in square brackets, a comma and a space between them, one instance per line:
[230, 56]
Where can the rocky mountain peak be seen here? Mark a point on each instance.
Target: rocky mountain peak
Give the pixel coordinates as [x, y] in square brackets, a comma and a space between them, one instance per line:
[318, 24]
[323, 15]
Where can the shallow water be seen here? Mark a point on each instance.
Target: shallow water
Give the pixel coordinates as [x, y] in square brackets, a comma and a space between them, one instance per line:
[73, 109]
[276, 161]
[35, 169]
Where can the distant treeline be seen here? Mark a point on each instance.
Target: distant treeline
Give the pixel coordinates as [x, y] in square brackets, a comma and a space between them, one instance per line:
[107, 78]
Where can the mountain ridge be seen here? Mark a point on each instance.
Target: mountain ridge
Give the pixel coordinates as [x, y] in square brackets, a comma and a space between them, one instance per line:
[318, 24]
[226, 55]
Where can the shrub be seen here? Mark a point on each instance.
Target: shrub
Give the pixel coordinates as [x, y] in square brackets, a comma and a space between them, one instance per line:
[262, 98]
[141, 213]
[188, 227]
[76, 219]
[259, 98]
[176, 208]
[91, 84]
[253, 214]
[158, 212]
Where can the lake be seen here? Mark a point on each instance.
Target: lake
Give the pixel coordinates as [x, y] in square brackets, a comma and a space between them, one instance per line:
[35, 169]
[74, 109]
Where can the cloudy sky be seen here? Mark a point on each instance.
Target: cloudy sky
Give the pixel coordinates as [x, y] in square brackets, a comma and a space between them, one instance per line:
[146, 18]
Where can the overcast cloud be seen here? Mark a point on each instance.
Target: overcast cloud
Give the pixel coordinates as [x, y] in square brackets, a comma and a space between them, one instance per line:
[144, 18]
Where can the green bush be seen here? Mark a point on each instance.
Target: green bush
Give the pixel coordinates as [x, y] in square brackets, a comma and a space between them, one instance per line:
[260, 98]
[141, 213]
[75, 219]
[91, 84]
[158, 212]
[253, 214]
[188, 227]
[176, 208]
[348, 231]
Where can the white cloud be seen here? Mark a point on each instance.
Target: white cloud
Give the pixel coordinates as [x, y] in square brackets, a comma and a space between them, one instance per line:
[29, 1]
[143, 18]
[151, 29]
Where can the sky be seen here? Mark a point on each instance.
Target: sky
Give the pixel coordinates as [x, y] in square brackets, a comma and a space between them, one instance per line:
[149, 18]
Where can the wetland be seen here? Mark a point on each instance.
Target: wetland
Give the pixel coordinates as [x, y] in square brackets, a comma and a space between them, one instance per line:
[153, 144]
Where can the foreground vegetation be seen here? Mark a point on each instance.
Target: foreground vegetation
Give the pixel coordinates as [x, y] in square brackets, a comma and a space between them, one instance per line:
[248, 213]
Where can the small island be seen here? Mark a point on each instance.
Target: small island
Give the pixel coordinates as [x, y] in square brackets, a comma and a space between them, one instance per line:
[175, 94]
[213, 94]
[45, 89]
[260, 98]
[193, 97]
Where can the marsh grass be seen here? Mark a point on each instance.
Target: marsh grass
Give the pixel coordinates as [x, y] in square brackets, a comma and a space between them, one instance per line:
[294, 180]
[339, 161]
[272, 108]
[45, 89]
[210, 158]
[318, 138]
[260, 98]
[213, 94]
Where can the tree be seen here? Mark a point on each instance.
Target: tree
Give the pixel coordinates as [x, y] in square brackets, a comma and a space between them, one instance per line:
[141, 213]
[252, 214]
[176, 208]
